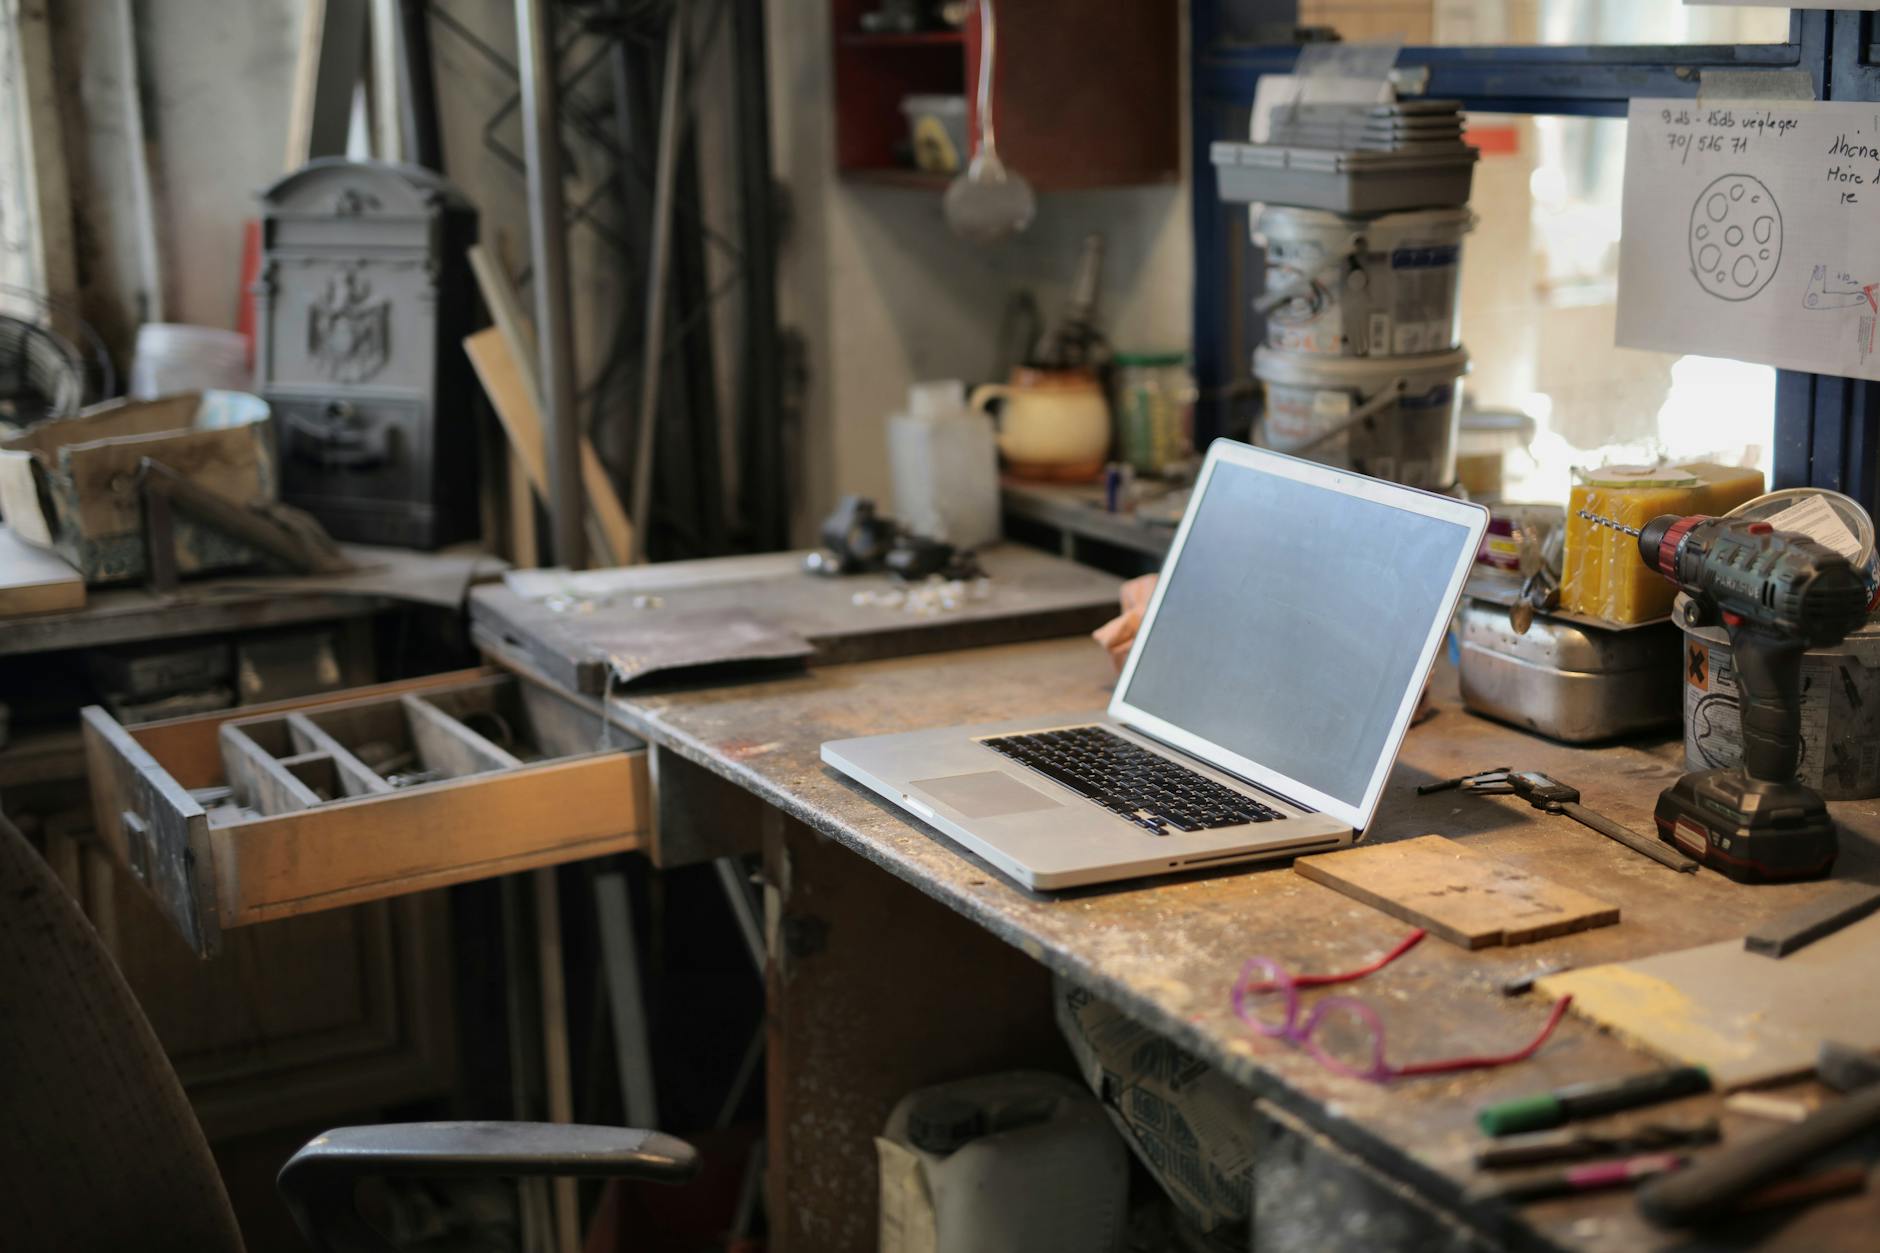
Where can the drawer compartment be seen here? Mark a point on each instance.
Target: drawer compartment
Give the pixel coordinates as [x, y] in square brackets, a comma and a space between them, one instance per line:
[265, 812]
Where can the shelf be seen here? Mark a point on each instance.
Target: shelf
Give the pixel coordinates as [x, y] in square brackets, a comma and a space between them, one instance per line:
[898, 176]
[912, 39]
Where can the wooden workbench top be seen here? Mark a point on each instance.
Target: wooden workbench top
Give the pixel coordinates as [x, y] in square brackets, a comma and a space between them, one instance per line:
[1167, 950]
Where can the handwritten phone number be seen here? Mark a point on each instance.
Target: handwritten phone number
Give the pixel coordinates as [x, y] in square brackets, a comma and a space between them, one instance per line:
[1685, 143]
[1730, 119]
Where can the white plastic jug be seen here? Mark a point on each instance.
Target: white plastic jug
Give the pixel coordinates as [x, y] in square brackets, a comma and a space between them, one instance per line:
[945, 462]
[1021, 1162]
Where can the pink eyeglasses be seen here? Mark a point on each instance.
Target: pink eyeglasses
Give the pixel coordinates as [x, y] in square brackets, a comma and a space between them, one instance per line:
[1343, 1032]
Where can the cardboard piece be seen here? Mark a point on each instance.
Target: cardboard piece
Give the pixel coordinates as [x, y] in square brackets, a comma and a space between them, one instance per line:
[1747, 232]
[1465, 897]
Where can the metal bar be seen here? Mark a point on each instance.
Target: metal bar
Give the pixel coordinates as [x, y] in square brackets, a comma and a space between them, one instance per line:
[548, 253]
[764, 505]
[556, 1069]
[1795, 428]
[655, 327]
[732, 877]
[620, 965]
[427, 145]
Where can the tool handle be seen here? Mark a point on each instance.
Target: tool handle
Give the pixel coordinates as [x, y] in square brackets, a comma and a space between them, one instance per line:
[1625, 835]
[1769, 698]
[1719, 1180]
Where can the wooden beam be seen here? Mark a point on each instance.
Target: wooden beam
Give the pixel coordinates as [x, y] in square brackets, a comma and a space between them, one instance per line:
[511, 395]
[326, 74]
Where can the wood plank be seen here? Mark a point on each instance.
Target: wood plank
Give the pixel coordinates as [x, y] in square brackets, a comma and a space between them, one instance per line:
[33, 580]
[517, 334]
[1465, 897]
[521, 415]
[430, 836]
[1746, 1018]
[332, 54]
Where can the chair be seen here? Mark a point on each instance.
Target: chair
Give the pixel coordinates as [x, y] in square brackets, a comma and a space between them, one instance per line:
[99, 1149]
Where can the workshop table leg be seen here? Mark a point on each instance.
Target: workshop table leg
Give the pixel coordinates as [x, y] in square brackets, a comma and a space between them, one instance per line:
[873, 989]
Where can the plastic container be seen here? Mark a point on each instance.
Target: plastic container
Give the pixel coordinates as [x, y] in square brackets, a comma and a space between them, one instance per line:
[1840, 710]
[1363, 287]
[1154, 403]
[1827, 517]
[1390, 417]
[1342, 181]
[1567, 680]
[944, 459]
[1022, 1162]
[171, 358]
[936, 126]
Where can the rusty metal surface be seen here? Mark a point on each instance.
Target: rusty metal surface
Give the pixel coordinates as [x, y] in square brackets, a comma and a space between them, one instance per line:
[1167, 950]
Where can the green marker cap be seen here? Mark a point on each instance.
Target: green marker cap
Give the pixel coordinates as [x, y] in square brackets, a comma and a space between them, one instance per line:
[1528, 1113]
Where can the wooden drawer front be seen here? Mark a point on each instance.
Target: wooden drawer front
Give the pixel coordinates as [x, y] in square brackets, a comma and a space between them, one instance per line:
[399, 788]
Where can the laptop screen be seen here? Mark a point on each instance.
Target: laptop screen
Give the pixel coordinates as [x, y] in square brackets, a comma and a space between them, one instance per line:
[1295, 616]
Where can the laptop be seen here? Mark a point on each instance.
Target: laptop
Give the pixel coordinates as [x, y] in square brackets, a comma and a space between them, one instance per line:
[1275, 672]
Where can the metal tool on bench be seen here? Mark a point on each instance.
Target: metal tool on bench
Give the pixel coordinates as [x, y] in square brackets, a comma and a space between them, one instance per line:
[1550, 795]
[1778, 594]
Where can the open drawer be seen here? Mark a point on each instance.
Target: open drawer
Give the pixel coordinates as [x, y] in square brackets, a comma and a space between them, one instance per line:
[268, 811]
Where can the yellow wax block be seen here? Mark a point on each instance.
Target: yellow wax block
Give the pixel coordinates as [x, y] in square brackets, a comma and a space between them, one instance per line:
[1603, 575]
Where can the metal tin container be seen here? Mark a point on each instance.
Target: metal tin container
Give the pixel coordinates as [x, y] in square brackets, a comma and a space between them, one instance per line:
[1840, 710]
[1568, 681]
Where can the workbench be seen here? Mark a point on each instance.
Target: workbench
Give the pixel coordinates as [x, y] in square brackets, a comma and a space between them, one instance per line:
[898, 959]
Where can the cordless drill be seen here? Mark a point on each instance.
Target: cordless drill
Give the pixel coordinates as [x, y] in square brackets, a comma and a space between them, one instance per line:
[1778, 594]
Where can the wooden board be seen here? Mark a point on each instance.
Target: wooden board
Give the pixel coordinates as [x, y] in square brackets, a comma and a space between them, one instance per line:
[1463, 896]
[33, 580]
[511, 396]
[1033, 596]
[1746, 1018]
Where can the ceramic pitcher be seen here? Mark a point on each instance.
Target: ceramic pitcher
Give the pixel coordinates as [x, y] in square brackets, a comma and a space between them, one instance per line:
[1053, 424]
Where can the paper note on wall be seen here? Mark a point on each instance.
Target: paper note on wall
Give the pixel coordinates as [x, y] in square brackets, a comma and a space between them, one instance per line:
[1749, 231]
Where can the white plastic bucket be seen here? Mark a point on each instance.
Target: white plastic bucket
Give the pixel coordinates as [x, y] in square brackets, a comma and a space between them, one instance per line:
[1390, 417]
[172, 357]
[1363, 287]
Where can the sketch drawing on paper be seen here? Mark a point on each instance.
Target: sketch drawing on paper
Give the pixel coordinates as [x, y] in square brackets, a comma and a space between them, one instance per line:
[1736, 237]
[1844, 291]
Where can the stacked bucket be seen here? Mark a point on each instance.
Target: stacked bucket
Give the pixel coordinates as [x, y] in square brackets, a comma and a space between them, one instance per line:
[1362, 209]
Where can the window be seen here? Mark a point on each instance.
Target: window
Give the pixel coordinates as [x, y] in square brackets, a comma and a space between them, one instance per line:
[1550, 72]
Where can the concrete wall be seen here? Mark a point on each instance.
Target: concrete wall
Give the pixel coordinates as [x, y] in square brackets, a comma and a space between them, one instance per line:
[884, 294]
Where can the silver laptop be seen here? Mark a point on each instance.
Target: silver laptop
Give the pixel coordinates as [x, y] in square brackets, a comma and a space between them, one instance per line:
[1275, 672]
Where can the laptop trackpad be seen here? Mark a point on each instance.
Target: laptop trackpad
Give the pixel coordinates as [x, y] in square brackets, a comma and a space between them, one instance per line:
[985, 794]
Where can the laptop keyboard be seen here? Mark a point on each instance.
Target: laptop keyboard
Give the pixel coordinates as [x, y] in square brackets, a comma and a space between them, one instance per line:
[1147, 788]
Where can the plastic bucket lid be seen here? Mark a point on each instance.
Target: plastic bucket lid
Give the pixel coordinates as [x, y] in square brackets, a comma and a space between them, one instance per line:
[1363, 375]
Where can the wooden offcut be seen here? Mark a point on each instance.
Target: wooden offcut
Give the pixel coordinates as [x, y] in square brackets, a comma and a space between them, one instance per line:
[1466, 898]
[511, 395]
[33, 580]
